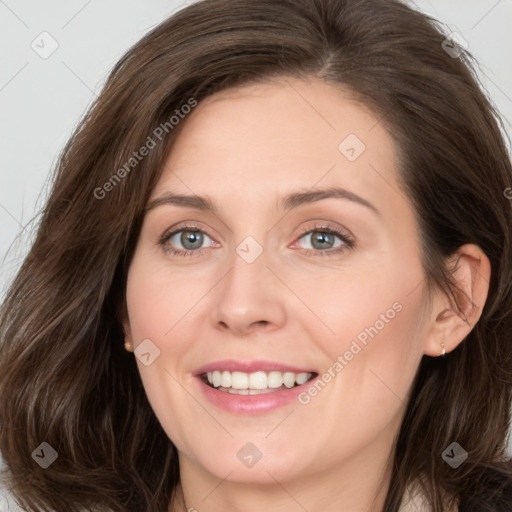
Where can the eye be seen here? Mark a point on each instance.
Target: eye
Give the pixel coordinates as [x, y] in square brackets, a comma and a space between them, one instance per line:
[322, 241]
[191, 239]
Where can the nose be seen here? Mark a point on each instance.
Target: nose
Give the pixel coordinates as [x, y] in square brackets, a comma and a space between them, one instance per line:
[249, 298]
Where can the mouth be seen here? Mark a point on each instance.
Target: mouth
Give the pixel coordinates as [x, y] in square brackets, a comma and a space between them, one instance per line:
[255, 383]
[252, 387]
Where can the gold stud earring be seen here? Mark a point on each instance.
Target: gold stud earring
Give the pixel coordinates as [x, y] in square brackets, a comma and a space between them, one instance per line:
[443, 353]
[128, 347]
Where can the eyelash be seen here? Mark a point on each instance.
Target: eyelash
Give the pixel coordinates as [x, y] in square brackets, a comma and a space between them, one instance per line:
[345, 238]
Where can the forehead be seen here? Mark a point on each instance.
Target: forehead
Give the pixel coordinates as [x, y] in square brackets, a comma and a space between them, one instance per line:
[278, 136]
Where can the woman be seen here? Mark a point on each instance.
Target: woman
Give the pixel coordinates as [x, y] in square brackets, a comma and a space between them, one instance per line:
[273, 273]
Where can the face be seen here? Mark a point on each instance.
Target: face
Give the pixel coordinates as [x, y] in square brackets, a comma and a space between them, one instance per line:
[269, 288]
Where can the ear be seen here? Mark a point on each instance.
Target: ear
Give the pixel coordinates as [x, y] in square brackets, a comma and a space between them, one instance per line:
[448, 324]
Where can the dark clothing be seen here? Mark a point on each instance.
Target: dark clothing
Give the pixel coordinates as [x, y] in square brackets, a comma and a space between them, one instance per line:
[500, 502]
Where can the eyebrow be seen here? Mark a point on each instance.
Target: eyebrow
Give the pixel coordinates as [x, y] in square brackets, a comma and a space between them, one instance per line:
[288, 202]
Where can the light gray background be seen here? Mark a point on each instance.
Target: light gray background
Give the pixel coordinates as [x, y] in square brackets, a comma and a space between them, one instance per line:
[41, 100]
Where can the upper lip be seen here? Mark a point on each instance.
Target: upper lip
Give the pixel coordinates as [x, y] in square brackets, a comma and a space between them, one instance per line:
[231, 365]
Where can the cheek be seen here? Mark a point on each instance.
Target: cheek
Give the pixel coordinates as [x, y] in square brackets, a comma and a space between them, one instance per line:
[370, 366]
[369, 326]
[158, 303]
[384, 325]
[149, 306]
[161, 301]
[375, 301]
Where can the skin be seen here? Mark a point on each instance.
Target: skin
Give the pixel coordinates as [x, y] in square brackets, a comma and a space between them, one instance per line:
[245, 148]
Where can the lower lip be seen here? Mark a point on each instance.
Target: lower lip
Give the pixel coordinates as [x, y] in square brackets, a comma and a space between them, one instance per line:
[252, 404]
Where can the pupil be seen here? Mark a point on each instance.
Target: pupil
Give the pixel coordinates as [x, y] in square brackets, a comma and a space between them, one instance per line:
[193, 237]
[321, 237]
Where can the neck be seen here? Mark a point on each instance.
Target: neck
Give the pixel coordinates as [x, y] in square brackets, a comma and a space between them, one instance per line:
[359, 484]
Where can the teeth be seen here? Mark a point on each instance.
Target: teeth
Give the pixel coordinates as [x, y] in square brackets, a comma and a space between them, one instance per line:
[275, 379]
[257, 380]
[225, 379]
[301, 378]
[239, 380]
[289, 379]
[253, 383]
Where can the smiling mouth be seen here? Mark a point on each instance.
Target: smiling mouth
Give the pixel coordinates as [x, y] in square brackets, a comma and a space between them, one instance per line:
[255, 383]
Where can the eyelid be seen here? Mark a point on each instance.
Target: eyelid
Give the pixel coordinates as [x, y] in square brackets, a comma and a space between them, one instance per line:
[345, 233]
[169, 232]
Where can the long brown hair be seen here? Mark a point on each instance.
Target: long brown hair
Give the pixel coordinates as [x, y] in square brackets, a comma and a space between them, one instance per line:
[65, 378]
